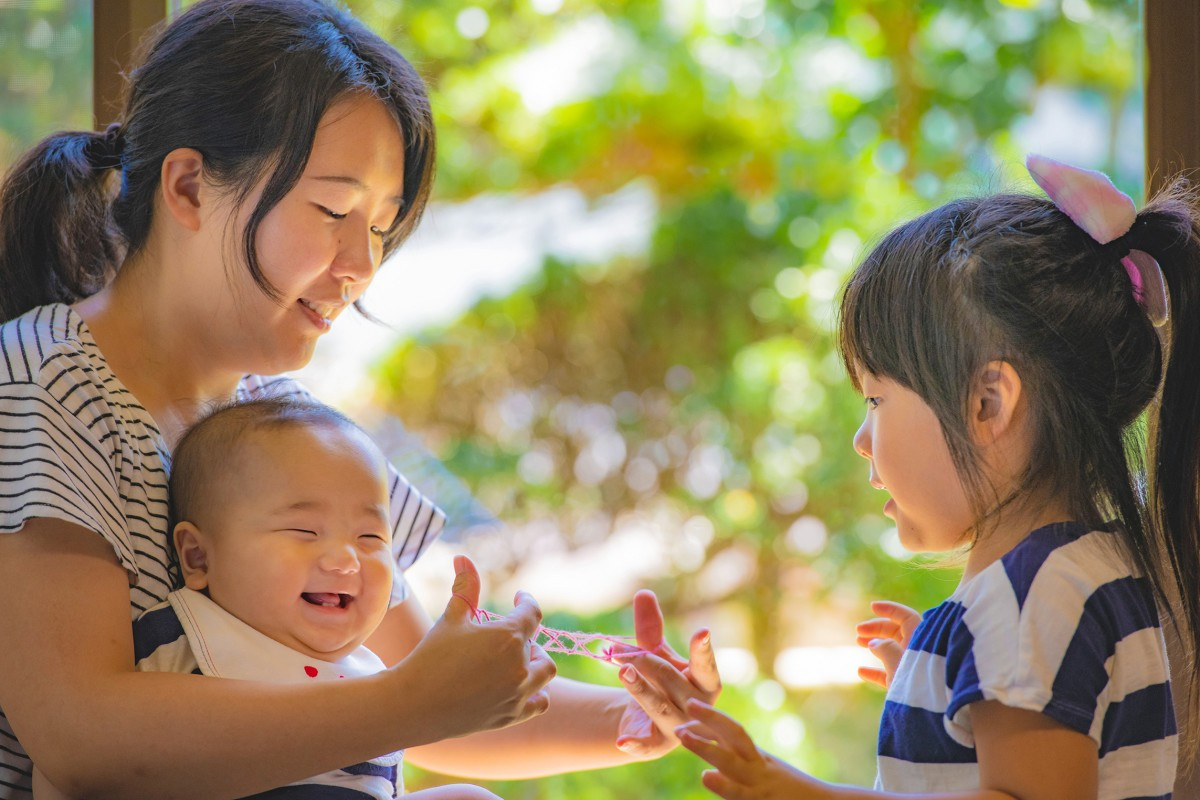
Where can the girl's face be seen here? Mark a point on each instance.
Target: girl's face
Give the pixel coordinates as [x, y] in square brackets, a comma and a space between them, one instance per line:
[319, 246]
[903, 441]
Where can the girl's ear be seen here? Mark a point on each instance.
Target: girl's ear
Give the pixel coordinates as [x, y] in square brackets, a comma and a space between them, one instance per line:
[182, 185]
[192, 545]
[994, 402]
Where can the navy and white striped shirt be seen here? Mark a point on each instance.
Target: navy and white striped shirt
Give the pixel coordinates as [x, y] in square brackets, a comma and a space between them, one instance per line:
[1061, 625]
[76, 445]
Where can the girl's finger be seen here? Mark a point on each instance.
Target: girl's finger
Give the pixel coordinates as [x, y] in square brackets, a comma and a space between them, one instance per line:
[727, 730]
[887, 651]
[873, 675]
[718, 756]
[722, 786]
[877, 628]
[907, 618]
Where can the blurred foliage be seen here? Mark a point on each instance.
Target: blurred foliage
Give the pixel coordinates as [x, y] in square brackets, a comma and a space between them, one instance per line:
[45, 71]
[690, 394]
[694, 393]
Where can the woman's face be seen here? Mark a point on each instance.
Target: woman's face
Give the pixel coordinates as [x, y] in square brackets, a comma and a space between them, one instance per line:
[319, 246]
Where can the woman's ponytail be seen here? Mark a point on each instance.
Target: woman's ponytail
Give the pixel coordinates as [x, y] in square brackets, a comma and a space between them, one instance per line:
[57, 240]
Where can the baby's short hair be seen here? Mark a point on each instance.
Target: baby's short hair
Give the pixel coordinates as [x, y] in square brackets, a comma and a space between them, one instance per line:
[208, 448]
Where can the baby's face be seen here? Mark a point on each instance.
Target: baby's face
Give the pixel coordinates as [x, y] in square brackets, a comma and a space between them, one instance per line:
[301, 549]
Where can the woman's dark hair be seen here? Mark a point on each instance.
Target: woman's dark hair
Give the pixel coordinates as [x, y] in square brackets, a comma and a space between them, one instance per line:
[244, 82]
[1011, 278]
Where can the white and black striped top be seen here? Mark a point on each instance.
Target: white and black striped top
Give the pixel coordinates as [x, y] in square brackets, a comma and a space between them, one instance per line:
[1061, 625]
[76, 445]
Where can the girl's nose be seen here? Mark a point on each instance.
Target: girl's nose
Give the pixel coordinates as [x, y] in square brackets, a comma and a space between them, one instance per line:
[862, 440]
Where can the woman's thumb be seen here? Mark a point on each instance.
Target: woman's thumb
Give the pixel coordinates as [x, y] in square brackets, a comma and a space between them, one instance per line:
[464, 600]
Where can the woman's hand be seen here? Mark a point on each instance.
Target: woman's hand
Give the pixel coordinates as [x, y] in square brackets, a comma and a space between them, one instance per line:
[743, 772]
[479, 677]
[887, 637]
[661, 682]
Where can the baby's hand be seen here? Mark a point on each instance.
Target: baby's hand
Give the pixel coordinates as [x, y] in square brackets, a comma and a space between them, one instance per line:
[743, 772]
[886, 637]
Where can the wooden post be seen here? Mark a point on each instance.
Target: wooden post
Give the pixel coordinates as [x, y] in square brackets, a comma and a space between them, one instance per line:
[1172, 60]
[119, 26]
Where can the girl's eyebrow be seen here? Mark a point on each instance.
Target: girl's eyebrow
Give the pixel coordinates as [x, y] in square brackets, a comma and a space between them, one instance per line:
[355, 183]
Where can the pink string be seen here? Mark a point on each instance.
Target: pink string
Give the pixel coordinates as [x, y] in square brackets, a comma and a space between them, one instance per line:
[572, 643]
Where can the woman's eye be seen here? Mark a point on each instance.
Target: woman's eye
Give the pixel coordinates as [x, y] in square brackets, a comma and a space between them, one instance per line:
[872, 402]
[332, 213]
[305, 531]
[373, 536]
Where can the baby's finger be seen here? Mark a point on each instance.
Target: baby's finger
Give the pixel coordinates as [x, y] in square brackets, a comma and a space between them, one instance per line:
[873, 675]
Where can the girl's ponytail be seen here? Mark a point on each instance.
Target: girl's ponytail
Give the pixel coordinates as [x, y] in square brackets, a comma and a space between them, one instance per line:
[57, 240]
[1168, 228]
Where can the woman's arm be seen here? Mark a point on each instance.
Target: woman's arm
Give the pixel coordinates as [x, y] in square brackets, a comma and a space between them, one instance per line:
[97, 728]
[584, 723]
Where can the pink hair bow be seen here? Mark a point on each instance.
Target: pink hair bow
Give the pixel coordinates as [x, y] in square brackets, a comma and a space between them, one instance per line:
[1105, 213]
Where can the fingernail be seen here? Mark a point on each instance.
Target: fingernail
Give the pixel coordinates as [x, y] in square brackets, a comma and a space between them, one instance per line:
[625, 747]
[628, 674]
[706, 640]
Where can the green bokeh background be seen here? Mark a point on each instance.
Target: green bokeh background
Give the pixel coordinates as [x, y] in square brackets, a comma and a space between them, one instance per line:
[779, 138]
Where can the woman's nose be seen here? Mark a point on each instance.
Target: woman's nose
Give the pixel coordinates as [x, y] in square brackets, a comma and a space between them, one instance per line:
[359, 254]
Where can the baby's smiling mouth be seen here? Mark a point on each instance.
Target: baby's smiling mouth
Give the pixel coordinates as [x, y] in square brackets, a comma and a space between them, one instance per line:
[327, 599]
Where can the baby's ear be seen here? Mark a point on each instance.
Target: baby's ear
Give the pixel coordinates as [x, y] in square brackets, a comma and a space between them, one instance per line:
[192, 545]
[994, 402]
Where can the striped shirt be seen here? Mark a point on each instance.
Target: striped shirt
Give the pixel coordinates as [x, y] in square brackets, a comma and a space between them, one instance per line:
[1060, 625]
[76, 445]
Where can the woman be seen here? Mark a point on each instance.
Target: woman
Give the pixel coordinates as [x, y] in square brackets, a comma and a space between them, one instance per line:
[271, 155]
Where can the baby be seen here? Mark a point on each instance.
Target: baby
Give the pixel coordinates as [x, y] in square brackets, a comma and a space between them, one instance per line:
[279, 513]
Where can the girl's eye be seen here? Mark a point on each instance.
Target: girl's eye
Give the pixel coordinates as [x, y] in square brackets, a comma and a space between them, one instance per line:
[332, 213]
[375, 536]
[304, 530]
[872, 402]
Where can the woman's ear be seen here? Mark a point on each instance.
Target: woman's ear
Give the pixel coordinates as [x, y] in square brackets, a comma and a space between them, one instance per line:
[995, 402]
[182, 186]
[192, 545]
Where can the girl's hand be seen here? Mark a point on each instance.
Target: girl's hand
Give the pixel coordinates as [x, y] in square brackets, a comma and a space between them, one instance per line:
[480, 677]
[887, 637]
[661, 682]
[743, 772]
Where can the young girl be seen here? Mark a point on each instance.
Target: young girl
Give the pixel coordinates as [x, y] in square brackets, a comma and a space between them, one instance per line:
[1006, 348]
[271, 154]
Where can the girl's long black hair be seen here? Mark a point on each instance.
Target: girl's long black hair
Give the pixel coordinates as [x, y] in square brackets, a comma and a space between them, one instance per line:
[1012, 278]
